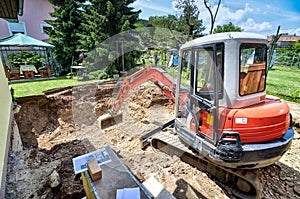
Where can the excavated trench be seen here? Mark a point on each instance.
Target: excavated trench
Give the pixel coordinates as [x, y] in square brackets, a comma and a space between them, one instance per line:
[62, 124]
[48, 133]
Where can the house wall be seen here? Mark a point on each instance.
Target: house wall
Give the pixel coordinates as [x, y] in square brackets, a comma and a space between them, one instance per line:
[282, 44]
[34, 14]
[5, 127]
[3, 28]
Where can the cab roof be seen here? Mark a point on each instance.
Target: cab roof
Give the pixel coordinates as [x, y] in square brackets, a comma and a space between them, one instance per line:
[221, 37]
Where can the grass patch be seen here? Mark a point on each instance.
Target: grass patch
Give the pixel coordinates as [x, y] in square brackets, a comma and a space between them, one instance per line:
[29, 88]
[284, 82]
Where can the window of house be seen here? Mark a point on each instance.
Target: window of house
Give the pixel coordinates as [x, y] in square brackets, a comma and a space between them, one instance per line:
[45, 28]
[14, 28]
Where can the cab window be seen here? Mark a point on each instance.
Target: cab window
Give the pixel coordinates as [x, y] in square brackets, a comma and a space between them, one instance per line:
[210, 64]
[252, 68]
[204, 62]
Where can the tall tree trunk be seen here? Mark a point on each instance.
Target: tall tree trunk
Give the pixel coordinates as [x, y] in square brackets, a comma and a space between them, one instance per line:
[212, 17]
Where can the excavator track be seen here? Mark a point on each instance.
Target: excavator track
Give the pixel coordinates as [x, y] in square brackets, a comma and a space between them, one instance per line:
[241, 183]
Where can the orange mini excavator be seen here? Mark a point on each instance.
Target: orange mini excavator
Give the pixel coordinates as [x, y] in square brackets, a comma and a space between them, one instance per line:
[228, 117]
[224, 122]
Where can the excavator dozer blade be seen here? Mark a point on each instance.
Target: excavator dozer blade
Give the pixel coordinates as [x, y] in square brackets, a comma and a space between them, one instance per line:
[108, 120]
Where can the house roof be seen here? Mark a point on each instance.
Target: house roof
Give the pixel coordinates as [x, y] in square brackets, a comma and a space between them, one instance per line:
[23, 40]
[285, 38]
[10, 9]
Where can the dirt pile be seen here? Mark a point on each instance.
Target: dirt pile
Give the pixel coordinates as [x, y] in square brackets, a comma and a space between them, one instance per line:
[63, 125]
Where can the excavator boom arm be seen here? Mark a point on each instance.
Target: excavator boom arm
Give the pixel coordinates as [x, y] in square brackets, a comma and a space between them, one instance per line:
[156, 75]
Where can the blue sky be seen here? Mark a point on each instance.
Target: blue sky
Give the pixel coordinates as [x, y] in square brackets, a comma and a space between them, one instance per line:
[260, 16]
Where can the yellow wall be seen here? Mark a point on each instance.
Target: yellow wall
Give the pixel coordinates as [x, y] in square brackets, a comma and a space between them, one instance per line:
[5, 117]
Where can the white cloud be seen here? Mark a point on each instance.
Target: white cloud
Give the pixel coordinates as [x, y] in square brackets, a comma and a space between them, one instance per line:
[251, 26]
[174, 3]
[239, 17]
[256, 16]
[294, 31]
[226, 15]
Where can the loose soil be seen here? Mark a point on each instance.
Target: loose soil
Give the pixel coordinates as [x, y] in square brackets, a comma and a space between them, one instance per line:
[63, 124]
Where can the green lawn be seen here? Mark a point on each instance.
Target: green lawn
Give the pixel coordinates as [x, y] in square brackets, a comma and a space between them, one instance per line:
[28, 88]
[284, 82]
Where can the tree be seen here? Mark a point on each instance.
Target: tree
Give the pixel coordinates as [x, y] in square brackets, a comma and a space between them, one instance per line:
[105, 19]
[82, 24]
[171, 24]
[64, 35]
[188, 18]
[186, 21]
[141, 23]
[290, 54]
[212, 16]
[227, 28]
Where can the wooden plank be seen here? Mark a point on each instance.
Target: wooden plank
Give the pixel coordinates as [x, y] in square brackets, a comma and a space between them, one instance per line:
[87, 186]
[4, 9]
[9, 9]
[14, 8]
[257, 66]
[253, 81]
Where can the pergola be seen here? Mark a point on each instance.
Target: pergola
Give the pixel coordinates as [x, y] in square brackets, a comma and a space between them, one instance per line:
[20, 42]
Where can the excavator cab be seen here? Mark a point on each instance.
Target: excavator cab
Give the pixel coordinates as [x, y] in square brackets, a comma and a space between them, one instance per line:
[226, 115]
[201, 73]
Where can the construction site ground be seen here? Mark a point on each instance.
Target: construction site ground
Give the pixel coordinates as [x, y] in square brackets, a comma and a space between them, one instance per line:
[63, 124]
